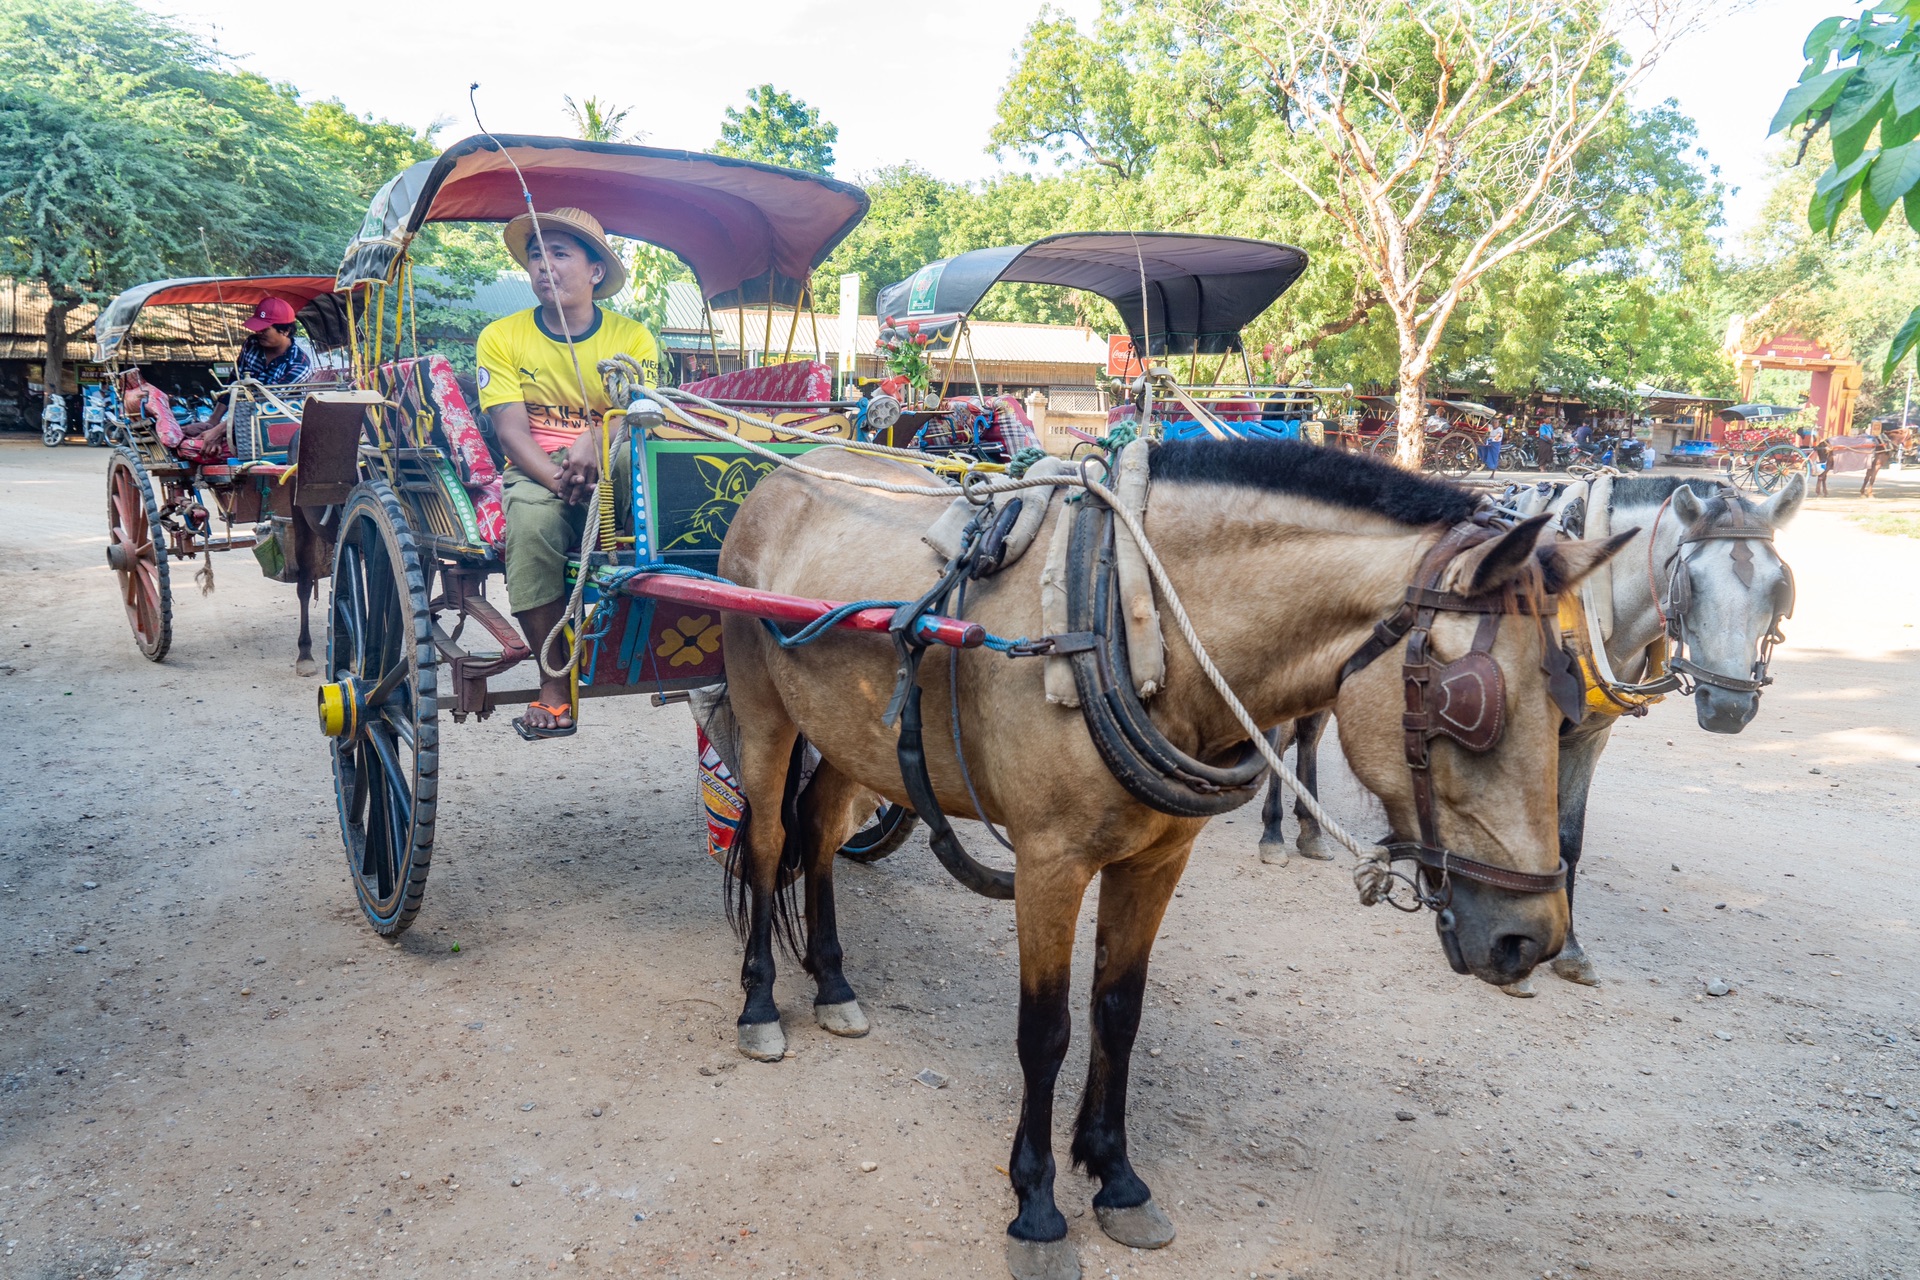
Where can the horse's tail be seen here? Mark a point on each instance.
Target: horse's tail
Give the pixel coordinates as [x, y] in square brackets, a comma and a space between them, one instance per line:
[788, 914]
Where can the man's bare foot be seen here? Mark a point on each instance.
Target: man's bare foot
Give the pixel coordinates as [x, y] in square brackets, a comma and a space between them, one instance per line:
[553, 693]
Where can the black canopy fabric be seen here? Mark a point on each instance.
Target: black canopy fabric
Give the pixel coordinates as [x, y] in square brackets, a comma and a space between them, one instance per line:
[1759, 412]
[320, 311]
[1199, 291]
[751, 232]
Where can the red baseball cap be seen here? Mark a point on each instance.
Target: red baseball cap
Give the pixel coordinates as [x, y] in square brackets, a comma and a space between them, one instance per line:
[271, 311]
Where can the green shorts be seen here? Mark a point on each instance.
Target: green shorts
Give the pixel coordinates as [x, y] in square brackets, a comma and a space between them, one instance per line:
[543, 532]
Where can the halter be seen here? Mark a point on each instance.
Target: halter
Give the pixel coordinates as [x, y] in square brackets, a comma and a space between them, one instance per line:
[1686, 673]
[1464, 700]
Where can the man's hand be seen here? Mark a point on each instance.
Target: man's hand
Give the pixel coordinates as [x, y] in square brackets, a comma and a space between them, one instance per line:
[581, 470]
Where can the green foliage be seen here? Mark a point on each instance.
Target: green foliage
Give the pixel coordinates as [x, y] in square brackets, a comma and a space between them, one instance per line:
[1861, 84]
[596, 121]
[777, 128]
[129, 149]
[1851, 287]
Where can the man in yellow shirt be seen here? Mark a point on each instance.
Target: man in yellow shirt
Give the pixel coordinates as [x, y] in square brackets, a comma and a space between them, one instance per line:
[549, 408]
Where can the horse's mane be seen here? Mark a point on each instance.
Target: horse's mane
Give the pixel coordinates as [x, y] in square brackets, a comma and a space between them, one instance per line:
[1651, 491]
[1325, 475]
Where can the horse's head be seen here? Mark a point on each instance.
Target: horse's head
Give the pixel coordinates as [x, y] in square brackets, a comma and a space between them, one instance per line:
[1469, 695]
[1726, 592]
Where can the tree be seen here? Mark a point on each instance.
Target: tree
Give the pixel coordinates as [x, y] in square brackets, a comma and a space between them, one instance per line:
[596, 121]
[1443, 138]
[1871, 93]
[777, 128]
[130, 150]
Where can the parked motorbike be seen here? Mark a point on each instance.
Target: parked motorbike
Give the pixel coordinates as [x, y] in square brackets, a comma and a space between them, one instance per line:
[53, 421]
[93, 420]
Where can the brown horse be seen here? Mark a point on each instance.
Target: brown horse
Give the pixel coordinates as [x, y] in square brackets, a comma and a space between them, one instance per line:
[1286, 557]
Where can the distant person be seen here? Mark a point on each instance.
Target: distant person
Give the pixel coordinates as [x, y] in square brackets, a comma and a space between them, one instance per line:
[271, 357]
[1490, 447]
[1543, 450]
[1823, 465]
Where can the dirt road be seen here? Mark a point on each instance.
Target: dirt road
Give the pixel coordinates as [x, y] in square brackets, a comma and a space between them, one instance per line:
[208, 1061]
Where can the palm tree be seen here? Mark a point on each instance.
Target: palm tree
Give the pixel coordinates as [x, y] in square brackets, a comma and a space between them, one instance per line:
[596, 121]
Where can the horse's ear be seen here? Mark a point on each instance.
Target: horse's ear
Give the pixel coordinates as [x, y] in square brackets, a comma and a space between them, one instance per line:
[1784, 505]
[1687, 505]
[1563, 564]
[1494, 562]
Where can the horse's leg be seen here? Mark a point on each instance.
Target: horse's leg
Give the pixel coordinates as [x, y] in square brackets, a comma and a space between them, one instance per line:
[765, 761]
[1052, 883]
[1579, 753]
[1133, 897]
[303, 663]
[1273, 836]
[1308, 731]
[828, 814]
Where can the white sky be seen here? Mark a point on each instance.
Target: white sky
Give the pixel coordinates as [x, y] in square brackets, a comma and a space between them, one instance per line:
[904, 81]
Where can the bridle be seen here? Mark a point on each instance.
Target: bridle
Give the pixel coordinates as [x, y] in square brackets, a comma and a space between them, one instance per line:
[1464, 700]
[1677, 601]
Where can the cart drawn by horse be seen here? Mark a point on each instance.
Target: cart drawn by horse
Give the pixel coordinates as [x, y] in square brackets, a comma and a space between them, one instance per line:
[1176, 294]
[168, 489]
[411, 632]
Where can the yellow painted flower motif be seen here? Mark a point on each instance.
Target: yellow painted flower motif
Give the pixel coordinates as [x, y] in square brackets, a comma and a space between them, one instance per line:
[689, 640]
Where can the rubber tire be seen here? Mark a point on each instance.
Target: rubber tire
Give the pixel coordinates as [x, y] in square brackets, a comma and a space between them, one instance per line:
[124, 462]
[891, 826]
[373, 506]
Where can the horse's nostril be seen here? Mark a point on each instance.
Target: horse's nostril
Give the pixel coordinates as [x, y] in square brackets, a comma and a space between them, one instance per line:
[1516, 952]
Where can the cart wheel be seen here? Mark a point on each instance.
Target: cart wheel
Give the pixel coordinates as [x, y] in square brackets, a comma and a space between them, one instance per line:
[891, 826]
[1385, 445]
[137, 552]
[1772, 468]
[381, 707]
[1455, 454]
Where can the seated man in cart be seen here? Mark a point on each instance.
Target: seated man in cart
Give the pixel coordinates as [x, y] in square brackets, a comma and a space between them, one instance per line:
[272, 357]
[540, 384]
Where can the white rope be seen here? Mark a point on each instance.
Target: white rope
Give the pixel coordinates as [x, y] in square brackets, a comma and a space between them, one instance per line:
[1370, 867]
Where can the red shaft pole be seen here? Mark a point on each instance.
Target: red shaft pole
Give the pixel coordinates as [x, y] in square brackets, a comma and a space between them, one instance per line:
[932, 628]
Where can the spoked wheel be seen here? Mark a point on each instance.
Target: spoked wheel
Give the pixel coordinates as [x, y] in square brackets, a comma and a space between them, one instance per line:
[1774, 467]
[1455, 454]
[1385, 445]
[381, 707]
[137, 552]
[891, 826]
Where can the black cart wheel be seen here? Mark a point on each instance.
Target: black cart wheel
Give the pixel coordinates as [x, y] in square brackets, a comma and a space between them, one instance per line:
[381, 707]
[891, 826]
[1455, 454]
[137, 552]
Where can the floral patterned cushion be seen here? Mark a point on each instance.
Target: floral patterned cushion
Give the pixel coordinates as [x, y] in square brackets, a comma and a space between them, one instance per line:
[797, 382]
[428, 386]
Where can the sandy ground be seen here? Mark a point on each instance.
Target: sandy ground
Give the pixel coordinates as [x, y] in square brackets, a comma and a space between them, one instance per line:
[207, 1060]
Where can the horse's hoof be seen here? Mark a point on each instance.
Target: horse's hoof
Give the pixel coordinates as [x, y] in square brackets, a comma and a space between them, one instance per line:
[1273, 852]
[306, 667]
[1522, 989]
[841, 1019]
[1042, 1260]
[1141, 1227]
[762, 1041]
[1576, 968]
[1315, 847]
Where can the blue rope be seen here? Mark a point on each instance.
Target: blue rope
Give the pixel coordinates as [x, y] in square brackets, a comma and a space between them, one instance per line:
[824, 623]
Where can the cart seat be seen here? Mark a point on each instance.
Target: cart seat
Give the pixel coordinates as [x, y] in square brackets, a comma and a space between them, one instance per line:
[152, 401]
[426, 388]
[796, 382]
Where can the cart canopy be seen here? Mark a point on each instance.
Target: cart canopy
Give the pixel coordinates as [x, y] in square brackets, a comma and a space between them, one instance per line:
[222, 301]
[1177, 294]
[1758, 412]
[751, 232]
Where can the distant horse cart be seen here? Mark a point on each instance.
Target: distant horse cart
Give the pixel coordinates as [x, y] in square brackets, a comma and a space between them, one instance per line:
[173, 496]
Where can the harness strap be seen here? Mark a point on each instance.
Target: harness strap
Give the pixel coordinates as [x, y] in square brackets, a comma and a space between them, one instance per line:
[1446, 863]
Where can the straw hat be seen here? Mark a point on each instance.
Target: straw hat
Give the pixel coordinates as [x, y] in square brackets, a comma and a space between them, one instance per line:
[583, 227]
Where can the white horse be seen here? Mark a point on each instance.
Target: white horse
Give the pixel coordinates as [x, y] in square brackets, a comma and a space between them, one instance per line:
[1693, 602]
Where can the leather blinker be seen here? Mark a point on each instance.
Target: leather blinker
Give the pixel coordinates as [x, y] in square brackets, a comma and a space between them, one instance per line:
[1470, 701]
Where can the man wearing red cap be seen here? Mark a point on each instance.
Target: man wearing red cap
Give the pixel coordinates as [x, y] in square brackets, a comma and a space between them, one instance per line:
[270, 356]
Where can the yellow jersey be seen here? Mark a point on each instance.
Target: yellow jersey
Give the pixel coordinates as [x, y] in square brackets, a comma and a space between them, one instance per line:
[520, 359]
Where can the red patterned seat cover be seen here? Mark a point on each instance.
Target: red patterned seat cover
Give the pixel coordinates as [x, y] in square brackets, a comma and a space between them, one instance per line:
[154, 402]
[427, 385]
[797, 382]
